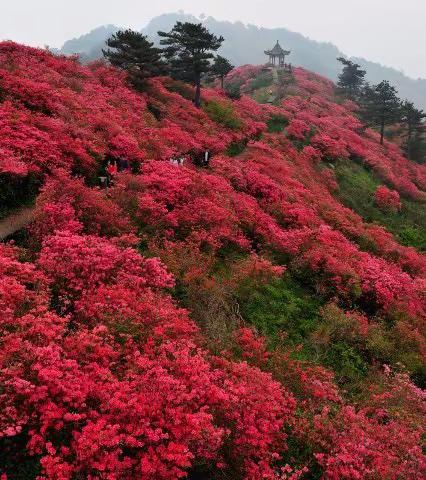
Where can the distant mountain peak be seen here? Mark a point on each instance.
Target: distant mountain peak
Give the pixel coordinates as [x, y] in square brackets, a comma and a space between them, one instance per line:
[90, 41]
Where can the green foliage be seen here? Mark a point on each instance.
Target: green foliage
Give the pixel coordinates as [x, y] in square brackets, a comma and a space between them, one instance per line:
[339, 339]
[233, 91]
[415, 141]
[277, 124]
[236, 148]
[263, 80]
[346, 362]
[189, 48]
[182, 88]
[262, 96]
[351, 79]
[280, 306]
[357, 186]
[155, 110]
[381, 106]
[223, 114]
[413, 236]
[132, 52]
[221, 67]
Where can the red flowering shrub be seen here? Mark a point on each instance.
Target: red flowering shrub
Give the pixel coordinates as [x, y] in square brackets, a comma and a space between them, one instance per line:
[368, 448]
[298, 129]
[66, 204]
[94, 261]
[128, 377]
[253, 348]
[387, 200]
[104, 374]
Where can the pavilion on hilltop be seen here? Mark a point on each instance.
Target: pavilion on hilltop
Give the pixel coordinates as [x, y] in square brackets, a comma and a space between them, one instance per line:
[277, 55]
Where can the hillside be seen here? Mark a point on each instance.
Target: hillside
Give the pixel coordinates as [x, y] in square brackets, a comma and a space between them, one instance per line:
[258, 317]
[246, 44]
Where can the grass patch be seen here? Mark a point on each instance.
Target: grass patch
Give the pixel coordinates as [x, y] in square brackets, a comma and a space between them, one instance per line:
[223, 114]
[262, 96]
[357, 187]
[280, 306]
[263, 80]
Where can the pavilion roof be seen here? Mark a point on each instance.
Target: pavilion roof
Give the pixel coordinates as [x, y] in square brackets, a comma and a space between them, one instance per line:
[277, 50]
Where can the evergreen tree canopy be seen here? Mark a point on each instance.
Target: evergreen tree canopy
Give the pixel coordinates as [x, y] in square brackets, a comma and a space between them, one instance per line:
[351, 79]
[189, 48]
[413, 119]
[221, 67]
[132, 52]
[381, 106]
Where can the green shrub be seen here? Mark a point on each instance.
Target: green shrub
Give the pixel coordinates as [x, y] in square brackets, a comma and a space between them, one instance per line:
[346, 362]
[182, 88]
[276, 123]
[233, 91]
[263, 80]
[236, 148]
[224, 114]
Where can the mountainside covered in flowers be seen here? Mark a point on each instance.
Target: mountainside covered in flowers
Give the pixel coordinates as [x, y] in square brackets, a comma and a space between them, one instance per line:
[261, 318]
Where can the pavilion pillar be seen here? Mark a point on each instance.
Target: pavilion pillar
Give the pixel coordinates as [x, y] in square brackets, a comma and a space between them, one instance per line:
[277, 56]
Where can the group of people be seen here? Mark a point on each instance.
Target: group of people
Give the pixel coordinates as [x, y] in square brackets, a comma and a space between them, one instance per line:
[178, 160]
[115, 166]
[202, 159]
[112, 168]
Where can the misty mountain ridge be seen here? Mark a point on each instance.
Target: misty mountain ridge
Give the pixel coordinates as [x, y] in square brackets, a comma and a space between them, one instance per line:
[245, 44]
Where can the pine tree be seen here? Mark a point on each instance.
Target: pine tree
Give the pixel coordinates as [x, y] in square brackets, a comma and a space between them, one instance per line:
[351, 79]
[381, 106]
[413, 120]
[132, 52]
[189, 47]
[221, 67]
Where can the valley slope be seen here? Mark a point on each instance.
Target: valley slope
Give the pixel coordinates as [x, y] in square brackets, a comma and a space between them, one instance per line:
[259, 317]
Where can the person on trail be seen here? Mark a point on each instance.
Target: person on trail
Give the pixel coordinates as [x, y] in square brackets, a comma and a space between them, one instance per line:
[123, 165]
[111, 170]
[206, 159]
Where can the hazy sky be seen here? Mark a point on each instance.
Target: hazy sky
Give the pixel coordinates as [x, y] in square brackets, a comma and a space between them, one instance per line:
[388, 31]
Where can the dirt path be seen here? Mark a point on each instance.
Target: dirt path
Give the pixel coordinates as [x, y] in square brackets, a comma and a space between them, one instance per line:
[275, 78]
[16, 221]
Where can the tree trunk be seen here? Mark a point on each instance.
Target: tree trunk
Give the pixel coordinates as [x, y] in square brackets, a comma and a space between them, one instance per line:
[197, 99]
[409, 141]
[382, 131]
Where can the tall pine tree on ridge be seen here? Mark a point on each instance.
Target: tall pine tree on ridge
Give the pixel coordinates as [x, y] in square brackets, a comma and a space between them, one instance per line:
[189, 48]
[413, 119]
[381, 106]
[133, 52]
[351, 80]
[221, 67]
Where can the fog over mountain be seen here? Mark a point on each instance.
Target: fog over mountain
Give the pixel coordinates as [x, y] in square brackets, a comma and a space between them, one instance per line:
[245, 44]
